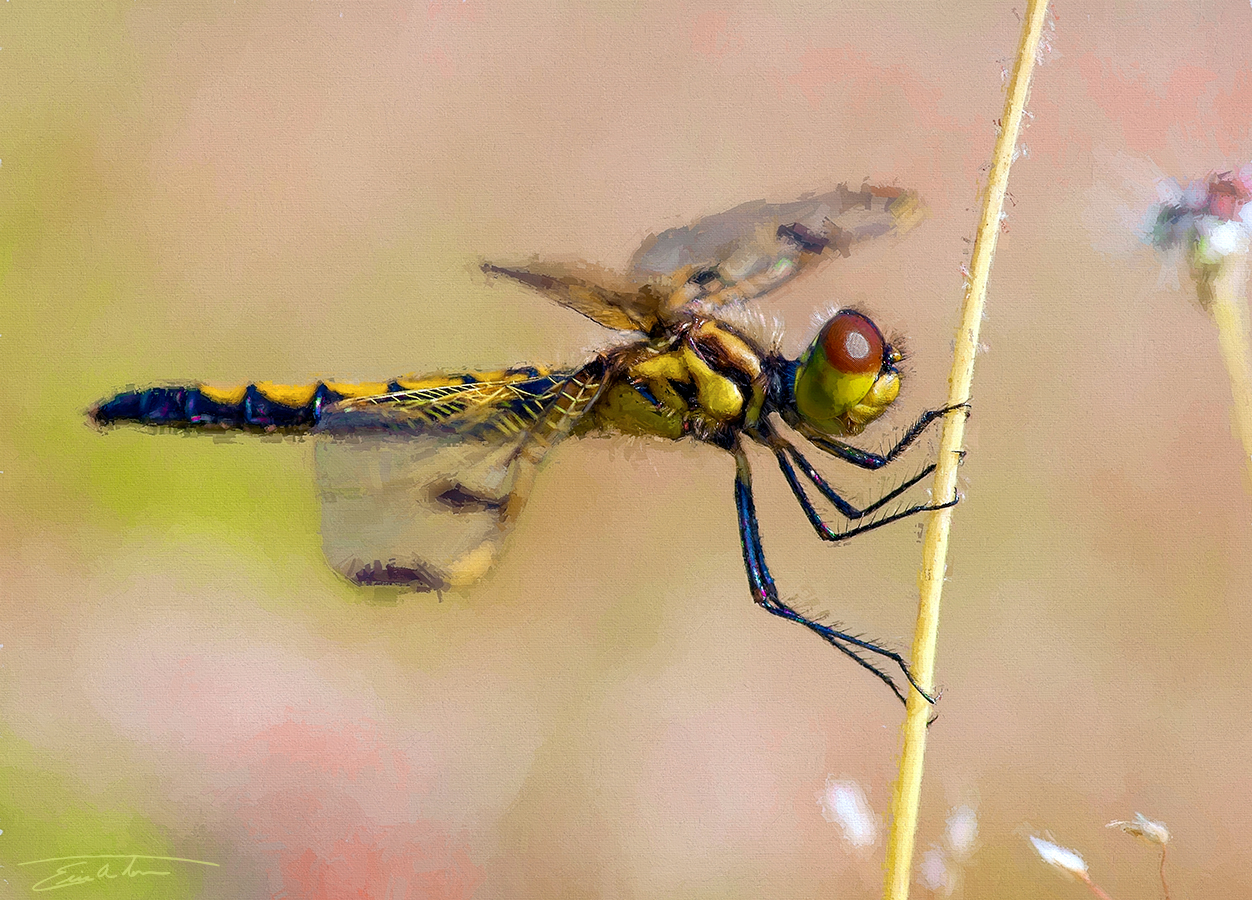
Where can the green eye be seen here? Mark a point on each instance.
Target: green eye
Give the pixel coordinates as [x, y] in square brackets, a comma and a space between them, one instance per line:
[846, 378]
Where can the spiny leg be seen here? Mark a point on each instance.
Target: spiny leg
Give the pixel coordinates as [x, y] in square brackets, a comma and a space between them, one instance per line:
[764, 434]
[867, 460]
[765, 593]
[826, 533]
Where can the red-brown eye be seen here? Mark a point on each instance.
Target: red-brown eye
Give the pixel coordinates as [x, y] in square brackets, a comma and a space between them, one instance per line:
[852, 343]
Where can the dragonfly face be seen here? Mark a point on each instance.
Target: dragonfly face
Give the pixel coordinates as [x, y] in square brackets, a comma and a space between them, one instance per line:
[847, 378]
[421, 477]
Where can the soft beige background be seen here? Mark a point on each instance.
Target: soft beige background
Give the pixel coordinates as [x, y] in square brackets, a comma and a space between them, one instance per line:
[289, 190]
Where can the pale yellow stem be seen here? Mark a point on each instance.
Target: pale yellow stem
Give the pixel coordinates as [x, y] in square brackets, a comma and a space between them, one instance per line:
[1223, 292]
[908, 788]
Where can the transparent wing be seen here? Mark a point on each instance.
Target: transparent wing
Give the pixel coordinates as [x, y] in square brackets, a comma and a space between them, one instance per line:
[736, 255]
[586, 289]
[501, 404]
[755, 247]
[419, 488]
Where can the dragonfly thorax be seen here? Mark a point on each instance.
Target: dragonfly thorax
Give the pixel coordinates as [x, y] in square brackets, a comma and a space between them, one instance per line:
[703, 380]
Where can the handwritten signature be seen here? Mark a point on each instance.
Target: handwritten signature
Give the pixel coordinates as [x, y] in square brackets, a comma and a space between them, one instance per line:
[76, 870]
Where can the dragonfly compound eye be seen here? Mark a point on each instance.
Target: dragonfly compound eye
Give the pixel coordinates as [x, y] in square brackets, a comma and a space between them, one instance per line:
[853, 344]
[846, 378]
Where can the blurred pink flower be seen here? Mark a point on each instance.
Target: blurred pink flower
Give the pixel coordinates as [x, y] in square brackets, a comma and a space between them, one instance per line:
[1210, 219]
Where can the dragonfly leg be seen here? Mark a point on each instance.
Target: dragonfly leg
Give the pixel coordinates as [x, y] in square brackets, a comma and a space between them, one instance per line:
[867, 460]
[826, 533]
[765, 593]
[781, 447]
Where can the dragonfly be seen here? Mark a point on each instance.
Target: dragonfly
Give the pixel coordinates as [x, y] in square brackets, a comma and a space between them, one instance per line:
[421, 477]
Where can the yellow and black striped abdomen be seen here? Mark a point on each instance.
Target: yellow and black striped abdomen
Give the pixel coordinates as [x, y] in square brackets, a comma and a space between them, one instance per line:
[265, 406]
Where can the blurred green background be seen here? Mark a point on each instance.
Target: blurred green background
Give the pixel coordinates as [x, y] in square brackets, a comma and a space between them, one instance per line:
[287, 191]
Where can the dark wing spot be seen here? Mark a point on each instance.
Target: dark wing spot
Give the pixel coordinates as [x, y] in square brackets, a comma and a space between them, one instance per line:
[808, 240]
[459, 498]
[414, 577]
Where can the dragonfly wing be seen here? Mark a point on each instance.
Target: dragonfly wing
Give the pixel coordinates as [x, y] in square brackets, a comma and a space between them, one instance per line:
[419, 488]
[735, 255]
[628, 308]
[757, 246]
[427, 511]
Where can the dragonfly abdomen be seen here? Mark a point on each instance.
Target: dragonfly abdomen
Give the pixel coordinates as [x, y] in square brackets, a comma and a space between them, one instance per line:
[262, 406]
[253, 406]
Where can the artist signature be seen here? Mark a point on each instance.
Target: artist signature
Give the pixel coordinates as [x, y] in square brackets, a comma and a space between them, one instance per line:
[75, 870]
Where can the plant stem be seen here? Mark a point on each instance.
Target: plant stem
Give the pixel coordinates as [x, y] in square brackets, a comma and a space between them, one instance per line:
[1095, 888]
[907, 794]
[1164, 883]
[1223, 292]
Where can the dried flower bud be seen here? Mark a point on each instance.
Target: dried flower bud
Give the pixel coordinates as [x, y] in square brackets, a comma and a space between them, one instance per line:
[1143, 827]
[1060, 857]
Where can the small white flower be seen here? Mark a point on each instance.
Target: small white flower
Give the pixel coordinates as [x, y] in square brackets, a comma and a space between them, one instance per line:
[1060, 857]
[1143, 827]
[1225, 238]
[844, 803]
[962, 831]
[934, 874]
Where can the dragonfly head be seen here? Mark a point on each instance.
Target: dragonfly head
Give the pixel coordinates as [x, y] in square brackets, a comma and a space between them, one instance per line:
[847, 377]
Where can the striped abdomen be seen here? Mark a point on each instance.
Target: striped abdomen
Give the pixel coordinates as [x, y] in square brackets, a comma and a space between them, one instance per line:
[265, 406]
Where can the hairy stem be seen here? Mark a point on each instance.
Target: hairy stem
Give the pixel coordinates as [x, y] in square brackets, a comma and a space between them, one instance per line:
[907, 794]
